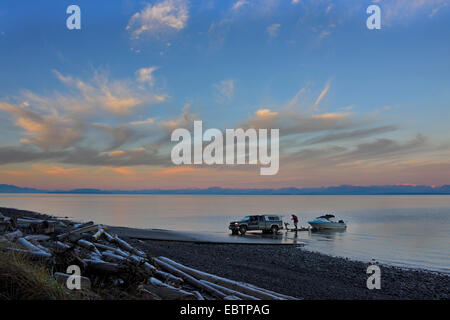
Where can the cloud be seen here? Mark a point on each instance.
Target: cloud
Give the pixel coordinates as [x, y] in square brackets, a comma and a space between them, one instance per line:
[145, 75]
[368, 153]
[184, 120]
[116, 96]
[314, 156]
[121, 170]
[176, 171]
[403, 11]
[239, 4]
[224, 91]
[16, 173]
[143, 122]
[218, 30]
[19, 154]
[293, 122]
[301, 127]
[239, 12]
[350, 135]
[273, 30]
[149, 155]
[323, 34]
[383, 148]
[295, 100]
[120, 135]
[437, 9]
[118, 158]
[164, 16]
[55, 170]
[263, 118]
[293, 118]
[44, 131]
[321, 95]
[61, 123]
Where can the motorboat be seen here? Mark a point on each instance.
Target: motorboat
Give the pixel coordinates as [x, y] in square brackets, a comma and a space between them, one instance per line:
[328, 222]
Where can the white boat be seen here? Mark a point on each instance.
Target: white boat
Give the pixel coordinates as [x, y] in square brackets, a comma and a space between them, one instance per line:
[327, 221]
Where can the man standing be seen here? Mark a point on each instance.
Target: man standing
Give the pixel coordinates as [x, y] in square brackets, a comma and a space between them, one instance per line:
[295, 219]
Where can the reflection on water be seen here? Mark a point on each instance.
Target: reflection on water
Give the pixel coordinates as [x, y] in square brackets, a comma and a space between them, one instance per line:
[258, 237]
[328, 235]
[411, 231]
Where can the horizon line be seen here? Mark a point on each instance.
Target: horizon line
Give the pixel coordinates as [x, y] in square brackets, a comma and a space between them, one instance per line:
[334, 189]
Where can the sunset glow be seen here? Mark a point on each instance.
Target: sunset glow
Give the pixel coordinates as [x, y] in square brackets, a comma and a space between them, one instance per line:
[95, 108]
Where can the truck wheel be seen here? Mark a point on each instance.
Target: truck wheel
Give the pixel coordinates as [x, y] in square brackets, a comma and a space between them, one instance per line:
[242, 229]
[274, 229]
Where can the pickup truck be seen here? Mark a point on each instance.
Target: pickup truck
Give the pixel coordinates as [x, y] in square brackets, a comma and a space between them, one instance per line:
[265, 223]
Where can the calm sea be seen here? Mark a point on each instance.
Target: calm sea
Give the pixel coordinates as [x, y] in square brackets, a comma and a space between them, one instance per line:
[407, 231]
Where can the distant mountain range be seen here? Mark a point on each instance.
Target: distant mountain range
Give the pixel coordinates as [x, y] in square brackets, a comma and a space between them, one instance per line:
[336, 190]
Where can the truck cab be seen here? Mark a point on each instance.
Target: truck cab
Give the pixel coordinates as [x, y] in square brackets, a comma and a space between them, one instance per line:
[265, 223]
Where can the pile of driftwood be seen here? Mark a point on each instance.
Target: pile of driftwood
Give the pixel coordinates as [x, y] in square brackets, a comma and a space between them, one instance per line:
[106, 260]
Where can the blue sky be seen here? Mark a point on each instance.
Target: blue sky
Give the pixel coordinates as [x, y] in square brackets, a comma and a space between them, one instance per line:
[120, 83]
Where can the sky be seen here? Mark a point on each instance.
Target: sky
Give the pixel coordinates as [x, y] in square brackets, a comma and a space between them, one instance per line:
[95, 107]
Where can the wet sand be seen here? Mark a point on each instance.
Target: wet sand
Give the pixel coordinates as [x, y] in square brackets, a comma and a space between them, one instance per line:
[205, 237]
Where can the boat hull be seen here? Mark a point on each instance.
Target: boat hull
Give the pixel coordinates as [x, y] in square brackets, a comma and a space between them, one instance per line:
[321, 225]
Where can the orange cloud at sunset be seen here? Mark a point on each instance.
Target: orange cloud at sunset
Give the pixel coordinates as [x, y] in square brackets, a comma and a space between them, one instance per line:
[176, 170]
[122, 170]
[61, 171]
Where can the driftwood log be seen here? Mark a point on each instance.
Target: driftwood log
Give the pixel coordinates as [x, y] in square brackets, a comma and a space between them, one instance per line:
[230, 292]
[25, 243]
[13, 236]
[38, 225]
[37, 237]
[82, 225]
[62, 278]
[102, 266]
[98, 234]
[62, 245]
[231, 284]
[77, 231]
[105, 254]
[198, 295]
[148, 294]
[168, 292]
[190, 279]
[127, 247]
[89, 245]
[31, 254]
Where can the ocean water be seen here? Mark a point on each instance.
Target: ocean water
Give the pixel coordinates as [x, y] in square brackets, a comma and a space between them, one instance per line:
[406, 231]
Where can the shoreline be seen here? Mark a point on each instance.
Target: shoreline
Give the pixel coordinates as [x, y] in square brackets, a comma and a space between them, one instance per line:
[289, 269]
[196, 237]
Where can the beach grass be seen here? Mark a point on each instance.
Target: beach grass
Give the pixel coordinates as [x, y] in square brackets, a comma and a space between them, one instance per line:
[24, 279]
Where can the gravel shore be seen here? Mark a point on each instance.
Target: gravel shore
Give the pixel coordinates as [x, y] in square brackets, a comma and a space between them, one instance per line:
[290, 269]
[294, 271]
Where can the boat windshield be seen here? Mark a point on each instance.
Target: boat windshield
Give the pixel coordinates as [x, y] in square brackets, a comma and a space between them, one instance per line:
[328, 217]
